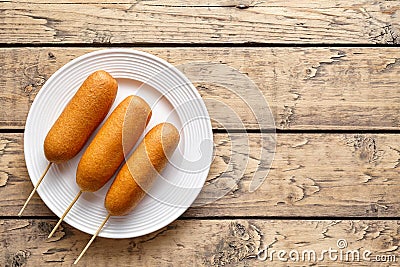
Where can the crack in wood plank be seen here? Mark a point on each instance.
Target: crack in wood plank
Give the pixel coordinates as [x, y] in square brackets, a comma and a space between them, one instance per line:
[365, 147]
[315, 70]
[395, 62]
[243, 241]
[397, 164]
[18, 259]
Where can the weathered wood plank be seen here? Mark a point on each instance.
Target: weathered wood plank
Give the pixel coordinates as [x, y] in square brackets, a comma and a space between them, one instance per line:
[246, 21]
[312, 175]
[306, 88]
[203, 243]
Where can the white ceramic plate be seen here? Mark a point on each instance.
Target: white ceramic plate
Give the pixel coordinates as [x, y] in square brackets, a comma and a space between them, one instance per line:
[172, 98]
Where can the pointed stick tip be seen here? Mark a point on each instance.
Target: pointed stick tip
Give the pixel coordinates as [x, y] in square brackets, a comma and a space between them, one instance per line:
[35, 188]
[92, 239]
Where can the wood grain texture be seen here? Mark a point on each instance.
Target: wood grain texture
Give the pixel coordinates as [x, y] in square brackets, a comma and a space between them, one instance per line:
[277, 21]
[200, 243]
[312, 175]
[306, 88]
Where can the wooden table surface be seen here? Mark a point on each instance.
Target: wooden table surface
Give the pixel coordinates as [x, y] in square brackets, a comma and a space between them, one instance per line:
[330, 71]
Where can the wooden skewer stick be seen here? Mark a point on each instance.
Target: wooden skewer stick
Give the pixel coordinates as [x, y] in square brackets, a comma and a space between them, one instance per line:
[92, 239]
[35, 188]
[65, 214]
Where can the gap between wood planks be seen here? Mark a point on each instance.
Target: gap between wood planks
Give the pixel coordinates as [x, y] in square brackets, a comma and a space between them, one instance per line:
[183, 45]
[211, 218]
[280, 131]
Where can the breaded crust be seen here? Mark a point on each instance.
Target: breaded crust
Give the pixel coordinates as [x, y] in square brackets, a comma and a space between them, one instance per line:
[119, 134]
[80, 117]
[139, 172]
